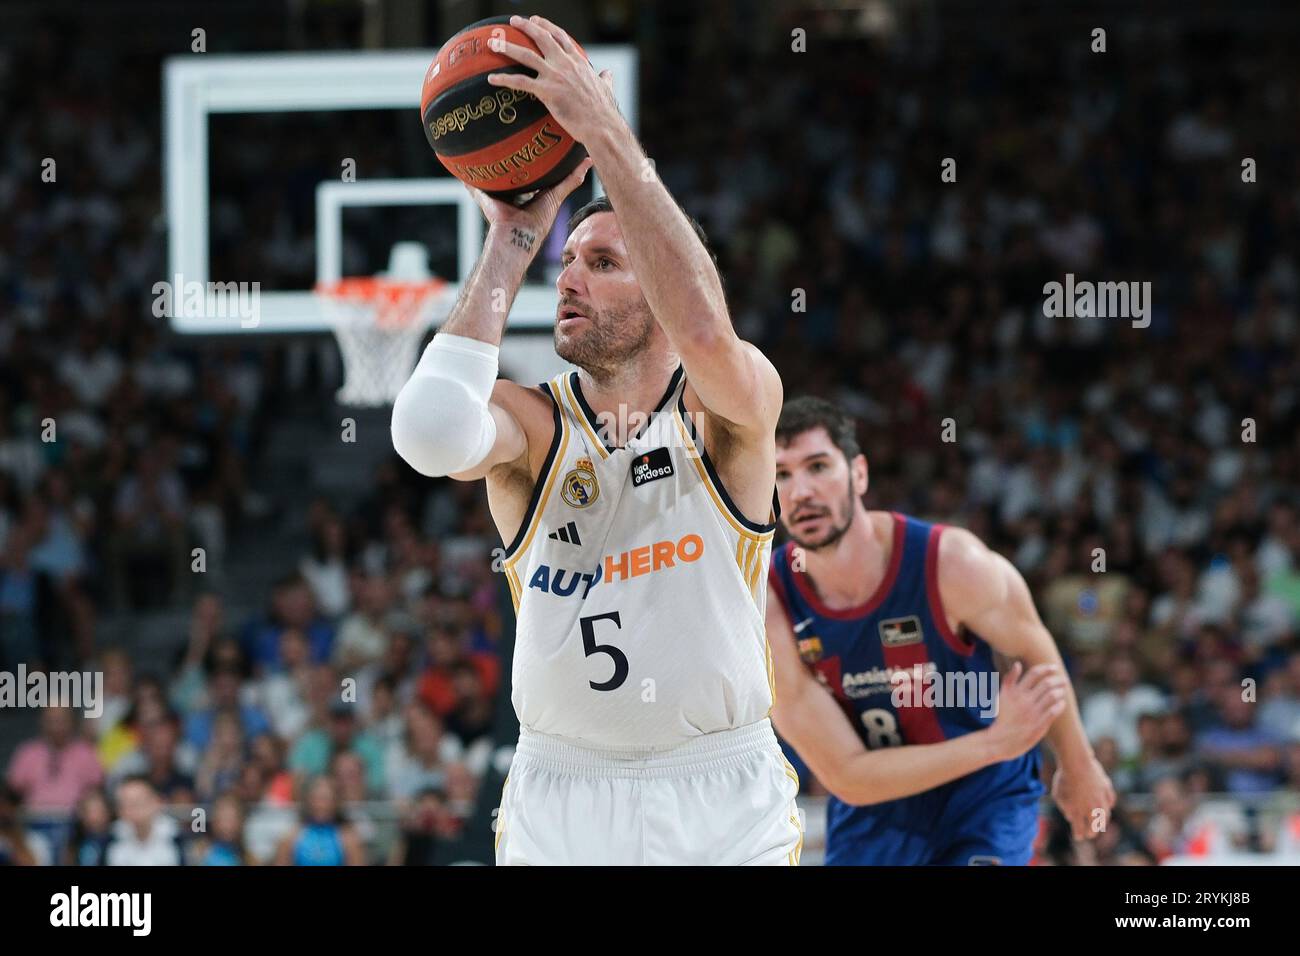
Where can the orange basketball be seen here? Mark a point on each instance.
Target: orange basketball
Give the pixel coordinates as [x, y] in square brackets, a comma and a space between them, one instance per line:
[499, 140]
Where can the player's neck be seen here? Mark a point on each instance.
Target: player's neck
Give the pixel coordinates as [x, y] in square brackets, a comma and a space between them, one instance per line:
[624, 397]
[849, 573]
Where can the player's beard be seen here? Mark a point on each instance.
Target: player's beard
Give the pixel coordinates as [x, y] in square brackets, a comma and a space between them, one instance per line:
[840, 524]
[609, 339]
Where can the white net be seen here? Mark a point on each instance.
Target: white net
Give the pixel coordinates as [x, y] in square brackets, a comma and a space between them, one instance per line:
[379, 325]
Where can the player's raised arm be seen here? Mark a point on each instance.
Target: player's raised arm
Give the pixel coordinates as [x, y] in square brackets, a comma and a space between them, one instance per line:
[733, 379]
[453, 417]
[808, 717]
[985, 593]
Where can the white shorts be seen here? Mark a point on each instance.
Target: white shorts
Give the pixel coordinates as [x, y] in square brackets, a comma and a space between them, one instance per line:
[725, 799]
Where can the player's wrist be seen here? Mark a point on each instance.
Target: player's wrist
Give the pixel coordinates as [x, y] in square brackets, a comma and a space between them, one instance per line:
[1076, 762]
[612, 146]
[1073, 755]
[513, 241]
[993, 747]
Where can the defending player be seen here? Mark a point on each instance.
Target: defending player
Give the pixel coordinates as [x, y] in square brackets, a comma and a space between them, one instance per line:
[873, 611]
[637, 495]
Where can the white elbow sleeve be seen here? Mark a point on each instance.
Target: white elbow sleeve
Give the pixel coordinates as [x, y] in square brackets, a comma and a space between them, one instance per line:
[441, 420]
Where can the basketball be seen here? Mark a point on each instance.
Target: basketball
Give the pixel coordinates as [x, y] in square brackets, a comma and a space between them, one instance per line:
[499, 140]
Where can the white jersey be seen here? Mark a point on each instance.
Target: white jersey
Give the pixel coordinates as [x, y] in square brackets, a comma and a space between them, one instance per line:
[638, 586]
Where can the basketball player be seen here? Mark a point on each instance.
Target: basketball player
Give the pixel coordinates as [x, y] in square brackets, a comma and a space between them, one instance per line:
[637, 494]
[868, 612]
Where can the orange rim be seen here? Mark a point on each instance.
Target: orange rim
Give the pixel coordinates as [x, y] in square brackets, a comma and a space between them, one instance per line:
[395, 301]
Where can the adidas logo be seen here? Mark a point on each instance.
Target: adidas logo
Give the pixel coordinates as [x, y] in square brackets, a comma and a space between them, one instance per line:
[568, 533]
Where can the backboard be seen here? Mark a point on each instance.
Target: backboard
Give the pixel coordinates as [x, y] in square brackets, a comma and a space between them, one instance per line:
[200, 87]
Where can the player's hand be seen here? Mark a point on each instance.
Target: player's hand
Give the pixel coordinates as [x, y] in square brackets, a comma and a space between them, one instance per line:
[527, 226]
[1085, 795]
[580, 100]
[1027, 706]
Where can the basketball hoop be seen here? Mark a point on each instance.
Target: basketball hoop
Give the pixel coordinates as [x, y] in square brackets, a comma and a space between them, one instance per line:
[379, 323]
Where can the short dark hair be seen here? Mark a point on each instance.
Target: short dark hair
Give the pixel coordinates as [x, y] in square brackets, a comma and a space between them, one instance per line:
[602, 204]
[807, 412]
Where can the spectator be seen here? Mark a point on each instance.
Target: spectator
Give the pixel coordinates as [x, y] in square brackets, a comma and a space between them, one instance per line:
[90, 368]
[226, 845]
[325, 569]
[224, 691]
[20, 597]
[1177, 613]
[1084, 606]
[462, 790]
[1284, 582]
[1167, 754]
[1114, 712]
[143, 835]
[1273, 555]
[91, 832]
[414, 563]
[397, 668]
[205, 651]
[52, 772]
[292, 606]
[427, 827]
[123, 739]
[473, 717]
[59, 554]
[285, 693]
[473, 613]
[1264, 620]
[323, 838]
[1246, 757]
[275, 783]
[348, 772]
[1213, 678]
[445, 650]
[116, 666]
[14, 842]
[385, 720]
[1279, 711]
[421, 762]
[312, 752]
[362, 637]
[162, 760]
[149, 541]
[1184, 826]
[219, 768]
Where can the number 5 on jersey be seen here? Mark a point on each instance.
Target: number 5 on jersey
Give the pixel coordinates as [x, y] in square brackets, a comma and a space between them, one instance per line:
[590, 646]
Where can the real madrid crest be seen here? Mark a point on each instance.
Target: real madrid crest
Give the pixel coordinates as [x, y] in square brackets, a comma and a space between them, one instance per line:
[580, 487]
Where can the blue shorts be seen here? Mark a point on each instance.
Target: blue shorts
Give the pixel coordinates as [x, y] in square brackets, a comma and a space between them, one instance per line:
[989, 818]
